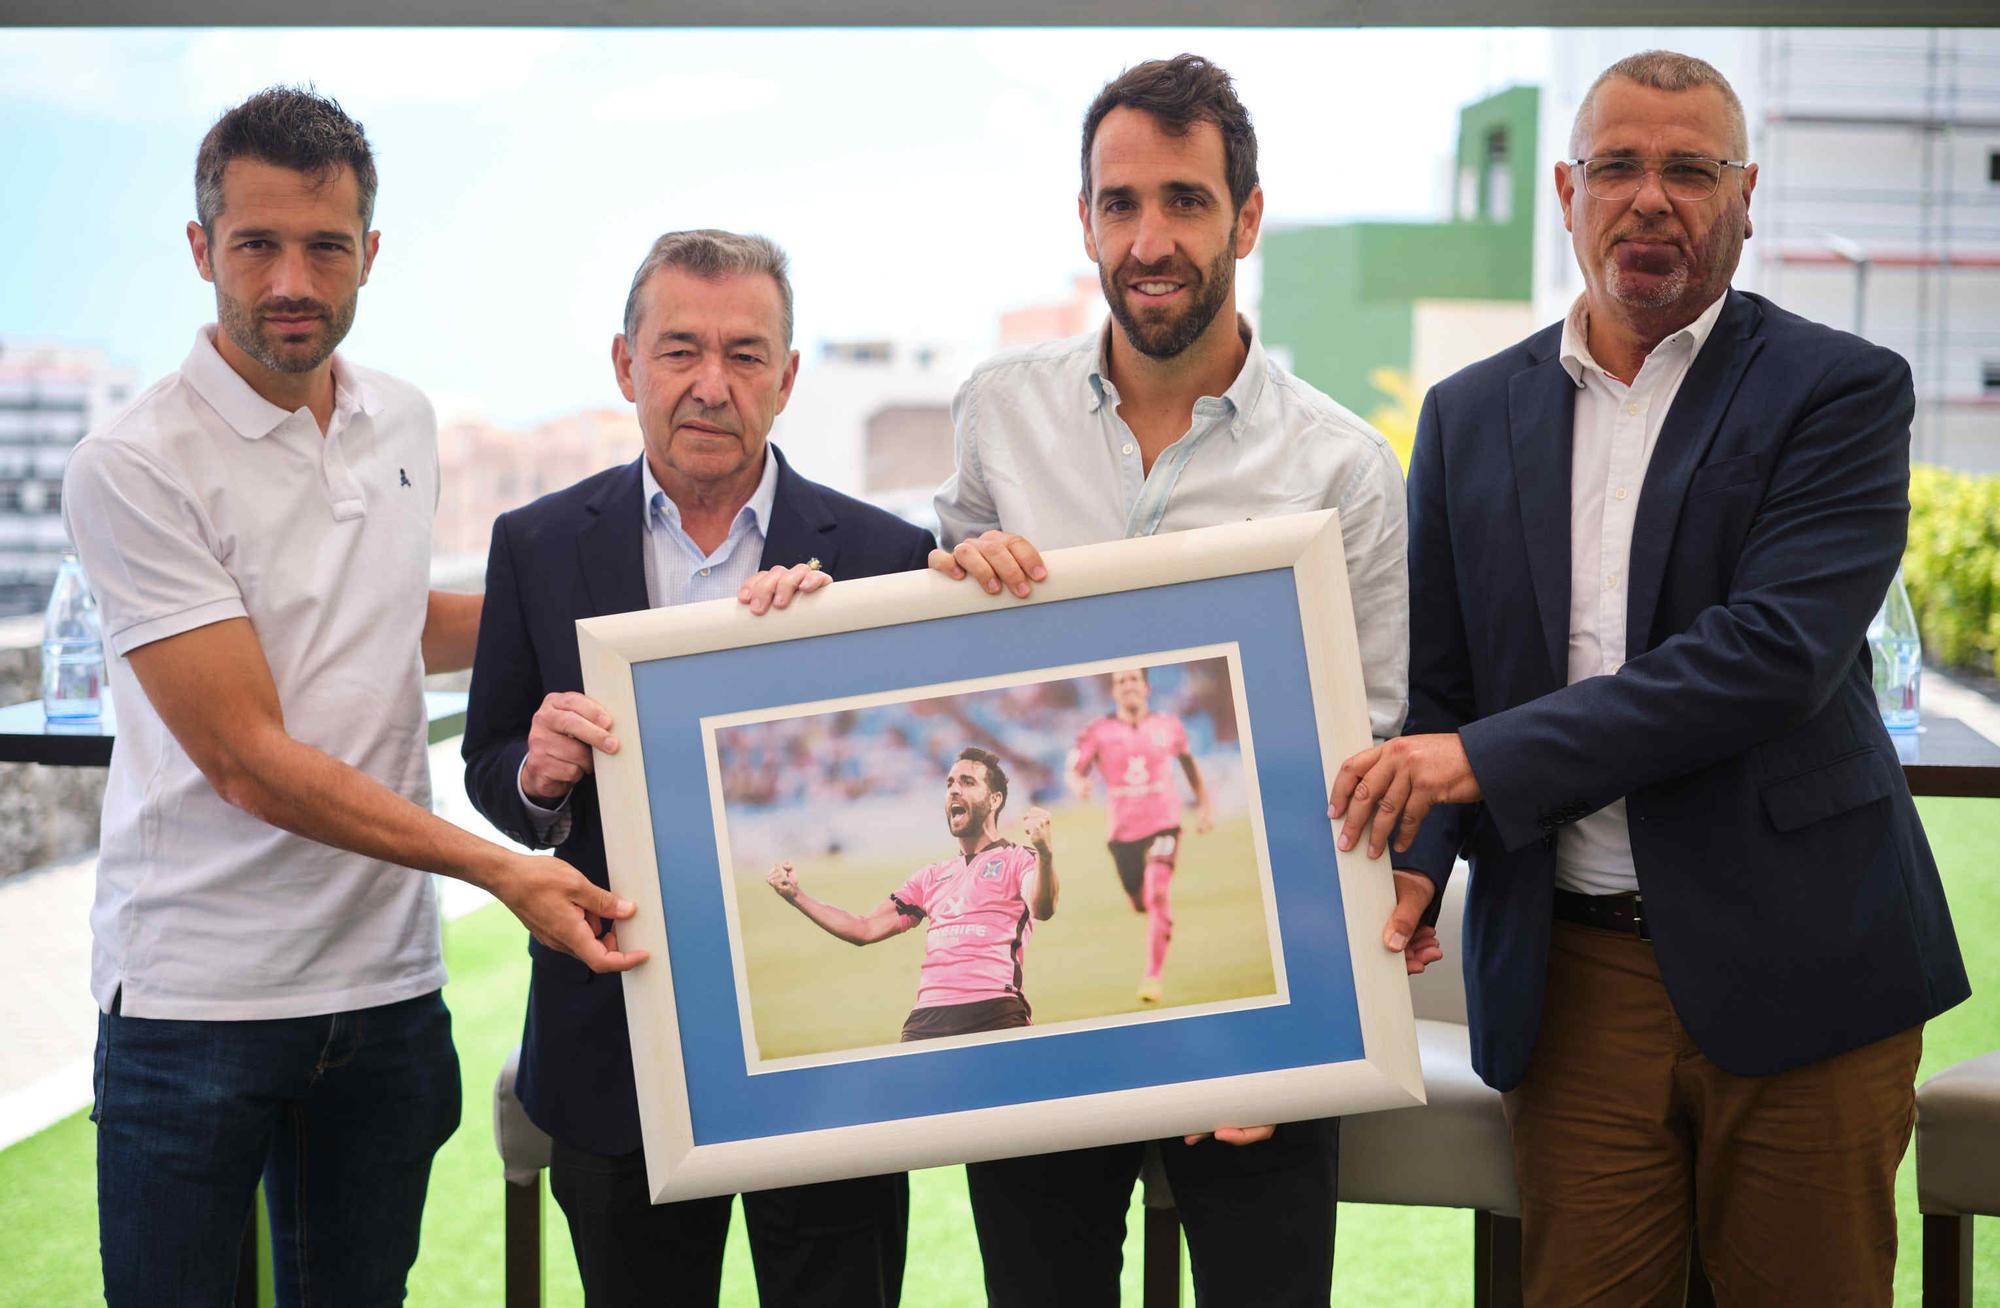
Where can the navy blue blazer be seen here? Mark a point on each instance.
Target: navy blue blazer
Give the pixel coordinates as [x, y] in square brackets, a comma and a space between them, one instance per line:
[577, 554]
[1795, 908]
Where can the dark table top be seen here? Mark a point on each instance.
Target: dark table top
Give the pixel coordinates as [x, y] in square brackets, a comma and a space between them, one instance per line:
[1945, 758]
[28, 737]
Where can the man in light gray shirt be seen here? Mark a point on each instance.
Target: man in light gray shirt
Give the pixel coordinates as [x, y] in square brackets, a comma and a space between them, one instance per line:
[1173, 417]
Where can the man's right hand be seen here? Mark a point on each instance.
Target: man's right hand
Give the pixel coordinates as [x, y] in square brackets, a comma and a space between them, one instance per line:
[565, 729]
[565, 910]
[993, 559]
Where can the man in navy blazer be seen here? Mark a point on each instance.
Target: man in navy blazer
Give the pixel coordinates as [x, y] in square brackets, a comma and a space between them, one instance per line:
[1704, 928]
[710, 510]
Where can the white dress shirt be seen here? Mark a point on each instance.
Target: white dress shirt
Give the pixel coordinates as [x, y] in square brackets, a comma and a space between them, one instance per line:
[205, 502]
[1614, 433]
[1042, 452]
[678, 572]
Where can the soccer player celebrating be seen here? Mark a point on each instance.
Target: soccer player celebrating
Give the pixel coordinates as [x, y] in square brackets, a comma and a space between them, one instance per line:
[1133, 749]
[982, 906]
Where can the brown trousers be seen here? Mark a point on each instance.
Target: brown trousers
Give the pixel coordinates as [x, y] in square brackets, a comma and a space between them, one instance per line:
[1626, 1139]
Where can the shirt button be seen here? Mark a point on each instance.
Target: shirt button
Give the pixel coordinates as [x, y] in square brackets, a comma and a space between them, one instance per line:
[1128, 447]
[1632, 410]
[1611, 582]
[1619, 494]
[704, 572]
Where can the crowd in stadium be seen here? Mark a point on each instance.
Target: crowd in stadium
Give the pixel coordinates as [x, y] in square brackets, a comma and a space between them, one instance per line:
[856, 753]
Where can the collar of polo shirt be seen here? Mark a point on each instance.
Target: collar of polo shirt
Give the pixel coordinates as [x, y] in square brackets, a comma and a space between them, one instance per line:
[249, 414]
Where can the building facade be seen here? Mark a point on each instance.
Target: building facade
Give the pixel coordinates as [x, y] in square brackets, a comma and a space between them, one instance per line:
[1374, 313]
[49, 397]
[1877, 205]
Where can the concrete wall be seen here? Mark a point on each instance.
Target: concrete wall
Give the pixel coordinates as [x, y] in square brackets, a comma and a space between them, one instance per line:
[46, 814]
[1447, 335]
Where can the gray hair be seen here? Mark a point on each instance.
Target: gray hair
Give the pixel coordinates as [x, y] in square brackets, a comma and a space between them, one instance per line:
[289, 127]
[711, 255]
[1664, 70]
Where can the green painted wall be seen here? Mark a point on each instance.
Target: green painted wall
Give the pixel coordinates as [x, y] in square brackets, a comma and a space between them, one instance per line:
[1340, 297]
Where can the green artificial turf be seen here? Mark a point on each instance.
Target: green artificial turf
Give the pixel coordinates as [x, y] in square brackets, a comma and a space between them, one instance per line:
[811, 993]
[48, 1223]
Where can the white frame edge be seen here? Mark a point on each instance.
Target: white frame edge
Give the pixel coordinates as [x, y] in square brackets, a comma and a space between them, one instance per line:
[1388, 1074]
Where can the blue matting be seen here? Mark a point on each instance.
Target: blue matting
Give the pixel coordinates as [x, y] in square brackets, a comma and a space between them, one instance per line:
[1258, 611]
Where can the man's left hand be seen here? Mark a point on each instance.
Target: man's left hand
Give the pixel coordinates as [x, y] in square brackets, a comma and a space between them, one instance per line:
[1036, 823]
[1419, 944]
[1397, 783]
[773, 588]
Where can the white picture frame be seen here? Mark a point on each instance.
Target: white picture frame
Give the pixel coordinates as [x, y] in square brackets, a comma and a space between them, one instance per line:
[685, 1088]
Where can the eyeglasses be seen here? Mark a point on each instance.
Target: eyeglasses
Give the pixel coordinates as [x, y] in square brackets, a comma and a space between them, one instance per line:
[1683, 177]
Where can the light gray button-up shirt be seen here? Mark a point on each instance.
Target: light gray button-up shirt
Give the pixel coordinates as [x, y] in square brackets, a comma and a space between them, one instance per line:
[1042, 452]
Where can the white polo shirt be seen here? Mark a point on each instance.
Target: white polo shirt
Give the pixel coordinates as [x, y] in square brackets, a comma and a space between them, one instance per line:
[203, 502]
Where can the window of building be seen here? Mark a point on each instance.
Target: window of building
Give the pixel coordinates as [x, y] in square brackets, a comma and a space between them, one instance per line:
[1499, 178]
[1993, 166]
[1989, 377]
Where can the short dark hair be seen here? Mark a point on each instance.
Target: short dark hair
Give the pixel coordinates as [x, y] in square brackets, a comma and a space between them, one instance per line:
[291, 127]
[712, 254]
[1664, 70]
[1178, 93]
[996, 776]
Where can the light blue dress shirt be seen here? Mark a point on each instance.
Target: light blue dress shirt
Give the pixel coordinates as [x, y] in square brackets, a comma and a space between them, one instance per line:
[678, 572]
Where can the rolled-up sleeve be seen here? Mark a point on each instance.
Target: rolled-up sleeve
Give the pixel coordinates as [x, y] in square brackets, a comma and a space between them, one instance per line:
[1374, 531]
[964, 506]
[147, 546]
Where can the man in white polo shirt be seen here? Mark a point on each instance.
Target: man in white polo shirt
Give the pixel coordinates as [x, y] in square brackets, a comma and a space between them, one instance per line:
[257, 527]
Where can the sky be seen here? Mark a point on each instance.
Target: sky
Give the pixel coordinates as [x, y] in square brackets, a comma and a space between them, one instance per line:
[923, 181]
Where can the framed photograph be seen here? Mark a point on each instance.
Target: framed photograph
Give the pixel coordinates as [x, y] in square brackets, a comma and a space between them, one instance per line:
[931, 876]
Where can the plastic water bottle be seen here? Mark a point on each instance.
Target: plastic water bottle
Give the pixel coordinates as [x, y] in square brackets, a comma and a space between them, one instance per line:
[1898, 656]
[72, 649]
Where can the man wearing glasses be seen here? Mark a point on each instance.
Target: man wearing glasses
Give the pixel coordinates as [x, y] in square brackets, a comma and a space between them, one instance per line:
[1705, 929]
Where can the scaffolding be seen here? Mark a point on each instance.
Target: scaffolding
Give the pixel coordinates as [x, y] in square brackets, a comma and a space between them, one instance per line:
[1873, 144]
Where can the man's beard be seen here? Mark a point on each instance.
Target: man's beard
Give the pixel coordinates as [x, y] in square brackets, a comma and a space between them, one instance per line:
[1702, 274]
[249, 334]
[1656, 293]
[1165, 338]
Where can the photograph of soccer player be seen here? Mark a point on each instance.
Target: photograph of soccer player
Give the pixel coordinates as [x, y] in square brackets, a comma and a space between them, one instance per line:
[831, 804]
[1135, 749]
[981, 906]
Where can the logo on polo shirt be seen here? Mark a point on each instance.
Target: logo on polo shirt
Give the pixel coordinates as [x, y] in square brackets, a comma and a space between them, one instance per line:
[404, 475]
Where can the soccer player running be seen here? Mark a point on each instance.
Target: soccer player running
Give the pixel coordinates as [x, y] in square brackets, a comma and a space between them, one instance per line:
[1134, 749]
[982, 906]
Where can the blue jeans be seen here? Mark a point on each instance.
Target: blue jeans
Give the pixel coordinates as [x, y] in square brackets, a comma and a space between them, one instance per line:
[340, 1114]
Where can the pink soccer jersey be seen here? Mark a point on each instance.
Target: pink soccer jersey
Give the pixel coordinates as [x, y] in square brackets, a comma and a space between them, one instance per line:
[1139, 764]
[979, 924]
